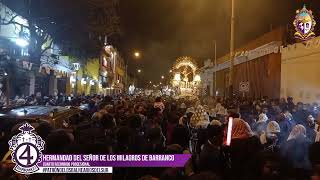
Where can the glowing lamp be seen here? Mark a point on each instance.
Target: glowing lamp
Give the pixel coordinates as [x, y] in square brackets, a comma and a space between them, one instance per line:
[22, 42]
[197, 78]
[137, 54]
[91, 82]
[72, 79]
[83, 81]
[177, 77]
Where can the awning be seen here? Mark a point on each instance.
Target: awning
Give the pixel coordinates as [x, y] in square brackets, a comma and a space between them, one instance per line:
[50, 63]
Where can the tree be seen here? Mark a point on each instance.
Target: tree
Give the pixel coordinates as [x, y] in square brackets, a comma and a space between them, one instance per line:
[39, 39]
[103, 17]
[79, 26]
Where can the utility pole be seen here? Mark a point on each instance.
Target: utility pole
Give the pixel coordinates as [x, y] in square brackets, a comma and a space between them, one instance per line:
[215, 66]
[231, 50]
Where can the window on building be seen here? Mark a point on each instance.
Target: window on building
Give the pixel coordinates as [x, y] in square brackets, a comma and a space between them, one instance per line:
[24, 52]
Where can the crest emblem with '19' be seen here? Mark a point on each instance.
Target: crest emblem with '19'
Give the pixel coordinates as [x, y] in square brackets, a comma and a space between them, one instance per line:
[26, 150]
[304, 24]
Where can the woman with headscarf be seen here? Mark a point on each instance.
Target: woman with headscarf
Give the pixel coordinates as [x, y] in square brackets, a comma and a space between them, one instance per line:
[220, 111]
[244, 150]
[310, 128]
[260, 126]
[270, 138]
[295, 149]
[298, 131]
[317, 128]
[240, 129]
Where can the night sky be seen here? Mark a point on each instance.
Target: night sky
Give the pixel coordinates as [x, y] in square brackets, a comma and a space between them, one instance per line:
[163, 30]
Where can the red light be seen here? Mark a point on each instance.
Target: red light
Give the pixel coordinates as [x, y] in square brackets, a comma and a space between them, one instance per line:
[229, 131]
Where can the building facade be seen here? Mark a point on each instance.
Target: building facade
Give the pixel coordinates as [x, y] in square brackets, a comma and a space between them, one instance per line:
[120, 75]
[112, 71]
[24, 76]
[207, 81]
[257, 64]
[54, 72]
[300, 69]
[12, 74]
[270, 67]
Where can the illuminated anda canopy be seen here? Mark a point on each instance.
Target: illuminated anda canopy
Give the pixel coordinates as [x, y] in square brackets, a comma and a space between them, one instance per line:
[186, 61]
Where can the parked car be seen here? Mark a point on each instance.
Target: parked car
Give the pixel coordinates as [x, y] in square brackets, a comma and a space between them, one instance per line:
[57, 116]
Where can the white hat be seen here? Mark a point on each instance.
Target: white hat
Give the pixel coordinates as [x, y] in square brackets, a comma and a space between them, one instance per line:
[273, 127]
[263, 117]
[215, 123]
[202, 124]
[183, 106]
[212, 113]
[190, 110]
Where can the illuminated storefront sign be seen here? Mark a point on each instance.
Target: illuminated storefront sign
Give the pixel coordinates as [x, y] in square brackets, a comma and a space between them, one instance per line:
[76, 66]
[304, 24]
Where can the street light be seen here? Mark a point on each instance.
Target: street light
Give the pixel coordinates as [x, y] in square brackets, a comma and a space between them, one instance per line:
[136, 54]
[162, 77]
[150, 82]
[139, 70]
[83, 81]
[22, 42]
[177, 77]
[197, 78]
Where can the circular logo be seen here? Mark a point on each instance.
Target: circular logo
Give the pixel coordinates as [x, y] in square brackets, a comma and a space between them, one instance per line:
[244, 86]
[27, 155]
[26, 150]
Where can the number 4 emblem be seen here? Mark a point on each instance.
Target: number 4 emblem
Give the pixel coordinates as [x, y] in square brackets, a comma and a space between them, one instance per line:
[26, 150]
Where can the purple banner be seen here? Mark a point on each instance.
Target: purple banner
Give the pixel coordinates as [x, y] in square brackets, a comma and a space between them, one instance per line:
[111, 160]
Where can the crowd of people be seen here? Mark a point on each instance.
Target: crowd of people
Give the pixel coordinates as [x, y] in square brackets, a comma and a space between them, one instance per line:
[38, 99]
[270, 138]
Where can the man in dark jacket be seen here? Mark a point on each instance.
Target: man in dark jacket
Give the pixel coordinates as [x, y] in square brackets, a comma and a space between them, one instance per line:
[301, 115]
[211, 156]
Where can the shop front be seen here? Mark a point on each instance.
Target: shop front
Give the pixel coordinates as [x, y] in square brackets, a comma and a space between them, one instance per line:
[53, 76]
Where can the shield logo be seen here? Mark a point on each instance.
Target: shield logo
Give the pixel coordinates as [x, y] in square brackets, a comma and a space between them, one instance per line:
[304, 24]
